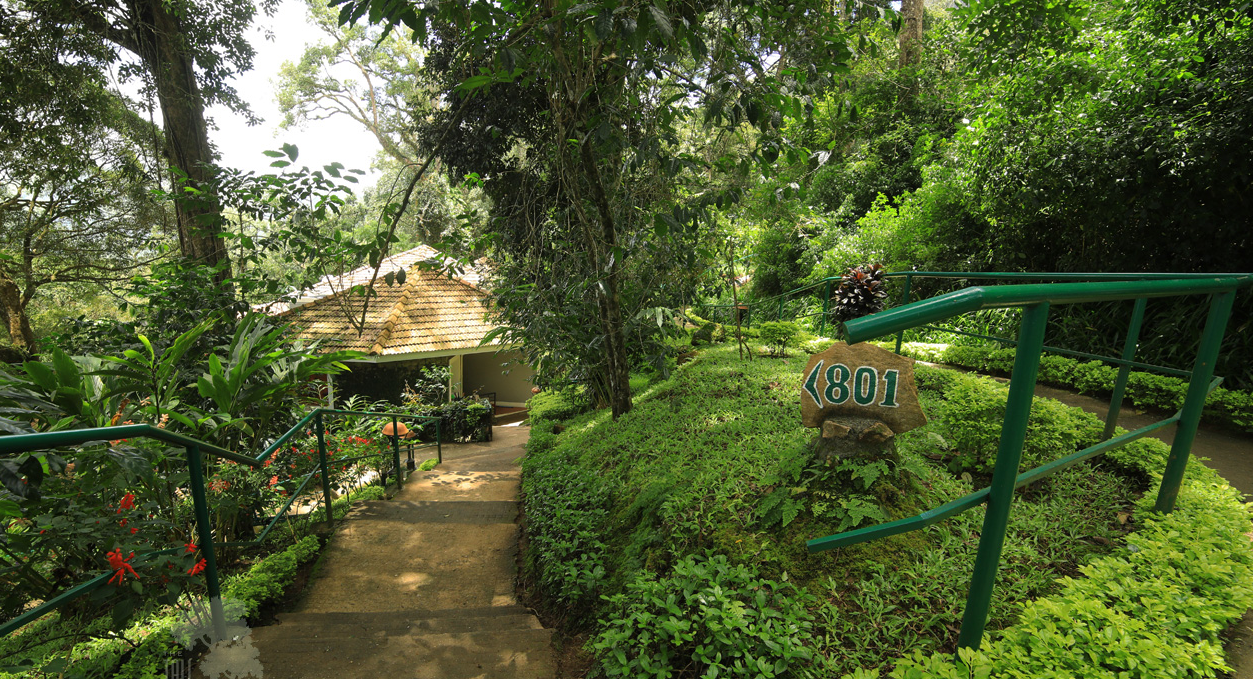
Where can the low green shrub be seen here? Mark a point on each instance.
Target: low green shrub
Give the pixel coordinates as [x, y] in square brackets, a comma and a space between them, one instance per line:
[709, 333]
[1154, 609]
[777, 335]
[972, 413]
[817, 345]
[710, 617]
[565, 506]
[266, 579]
[555, 406]
[467, 419]
[714, 462]
[1144, 389]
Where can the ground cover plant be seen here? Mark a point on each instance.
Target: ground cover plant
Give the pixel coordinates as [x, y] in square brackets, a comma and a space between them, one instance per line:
[674, 536]
[1233, 407]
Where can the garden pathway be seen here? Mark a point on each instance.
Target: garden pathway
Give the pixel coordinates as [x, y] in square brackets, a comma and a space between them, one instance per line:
[421, 586]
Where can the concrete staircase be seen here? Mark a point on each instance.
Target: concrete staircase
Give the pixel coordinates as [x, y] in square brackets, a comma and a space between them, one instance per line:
[421, 586]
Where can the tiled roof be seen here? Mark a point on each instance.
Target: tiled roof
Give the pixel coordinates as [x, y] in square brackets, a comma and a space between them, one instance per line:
[430, 312]
[330, 285]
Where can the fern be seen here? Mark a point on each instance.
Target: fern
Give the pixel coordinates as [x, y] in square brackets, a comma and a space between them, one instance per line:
[857, 509]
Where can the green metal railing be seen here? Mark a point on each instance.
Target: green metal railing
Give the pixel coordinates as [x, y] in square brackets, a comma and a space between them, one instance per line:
[21, 443]
[1035, 301]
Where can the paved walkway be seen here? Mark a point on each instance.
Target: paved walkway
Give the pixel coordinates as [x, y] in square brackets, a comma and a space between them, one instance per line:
[421, 586]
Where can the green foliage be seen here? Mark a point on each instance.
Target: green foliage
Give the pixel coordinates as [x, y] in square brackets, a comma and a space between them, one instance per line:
[708, 334]
[556, 406]
[430, 385]
[901, 236]
[714, 460]
[777, 334]
[1227, 406]
[1155, 609]
[141, 649]
[779, 262]
[565, 504]
[266, 580]
[710, 618]
[428, 465]
[467, 419]
[971, 417]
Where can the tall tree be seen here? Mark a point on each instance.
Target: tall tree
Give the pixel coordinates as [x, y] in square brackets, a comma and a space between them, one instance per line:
[354, 74]
[619, 80]
[185, 52]
[85, 217]
[910, 40]
[381, 85]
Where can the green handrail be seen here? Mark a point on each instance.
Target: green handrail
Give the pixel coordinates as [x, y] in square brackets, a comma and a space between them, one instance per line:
[1036, 300]
[20, 443]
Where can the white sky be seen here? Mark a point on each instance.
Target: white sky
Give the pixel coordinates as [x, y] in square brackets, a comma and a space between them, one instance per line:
[320, 142]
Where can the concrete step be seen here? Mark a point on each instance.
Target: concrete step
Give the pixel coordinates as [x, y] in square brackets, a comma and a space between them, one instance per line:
[442, 511]
[482, 619]
[477, 486]
[511, 654]
[296, 635]
[509, 418]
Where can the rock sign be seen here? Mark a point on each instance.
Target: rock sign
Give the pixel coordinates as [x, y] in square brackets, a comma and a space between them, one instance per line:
[861, 381]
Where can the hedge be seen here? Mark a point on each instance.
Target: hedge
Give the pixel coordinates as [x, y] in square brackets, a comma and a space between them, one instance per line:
[1226, 406]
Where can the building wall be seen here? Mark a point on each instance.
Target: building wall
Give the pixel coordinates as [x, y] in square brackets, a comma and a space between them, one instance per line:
[487, 372]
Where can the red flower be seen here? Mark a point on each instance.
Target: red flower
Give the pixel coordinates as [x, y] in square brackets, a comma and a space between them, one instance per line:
[122, 523]
[121, 565]
[128, 502]
[196, 570]
[134, 530]
[191, 547]
[273, 481]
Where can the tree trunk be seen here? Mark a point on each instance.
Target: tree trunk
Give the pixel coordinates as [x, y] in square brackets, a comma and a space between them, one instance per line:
[610, 301]
[14, 312]
[912, 12]
[161, 46]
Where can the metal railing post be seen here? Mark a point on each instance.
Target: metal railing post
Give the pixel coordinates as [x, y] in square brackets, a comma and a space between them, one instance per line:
[779, 316]
[326, 479]
[1124, 371]
[1004, 475]
[400, 484]
[826, 308]
[1194, 402]
[204, 530]
[900, 336]
[439, 443]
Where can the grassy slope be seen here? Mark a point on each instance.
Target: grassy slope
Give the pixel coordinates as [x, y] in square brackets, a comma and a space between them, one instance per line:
[688, 469]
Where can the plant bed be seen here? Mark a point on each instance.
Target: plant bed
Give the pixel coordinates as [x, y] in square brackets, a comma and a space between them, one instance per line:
[674, 537]
[260, 586]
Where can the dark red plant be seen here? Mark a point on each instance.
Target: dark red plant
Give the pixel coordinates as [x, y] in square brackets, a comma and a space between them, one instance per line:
[862, 292]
